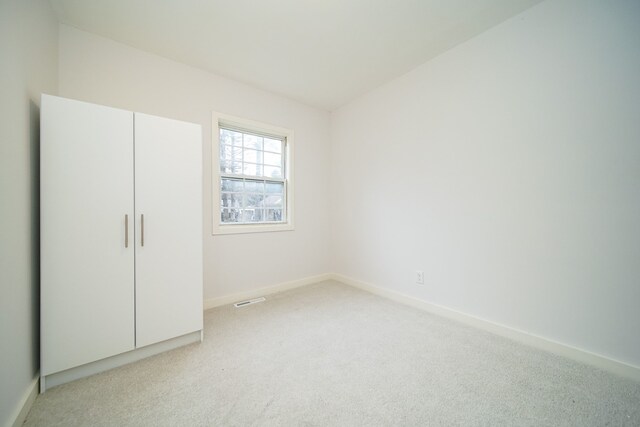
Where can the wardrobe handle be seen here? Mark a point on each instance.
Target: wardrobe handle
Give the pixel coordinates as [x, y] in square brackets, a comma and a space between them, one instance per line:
[126, 231]
[141, 229]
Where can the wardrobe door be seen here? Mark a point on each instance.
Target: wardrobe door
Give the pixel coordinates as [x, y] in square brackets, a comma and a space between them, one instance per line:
[168, 183]
[87, 257]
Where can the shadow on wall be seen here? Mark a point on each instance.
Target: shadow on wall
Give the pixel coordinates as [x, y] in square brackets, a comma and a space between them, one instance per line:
[34, 157]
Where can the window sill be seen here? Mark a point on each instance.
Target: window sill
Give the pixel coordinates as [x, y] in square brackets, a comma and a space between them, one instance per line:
[250, 228]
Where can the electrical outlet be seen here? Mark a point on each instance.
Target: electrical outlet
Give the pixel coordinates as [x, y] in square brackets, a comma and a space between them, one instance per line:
[420, 277]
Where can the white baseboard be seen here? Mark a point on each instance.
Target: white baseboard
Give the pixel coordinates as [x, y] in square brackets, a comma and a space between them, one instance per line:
[254, 293]
[57, 378]
[584, 356]
[565, 350]
[23, 407]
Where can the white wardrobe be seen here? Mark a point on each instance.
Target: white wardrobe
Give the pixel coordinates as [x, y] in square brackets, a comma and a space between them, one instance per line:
[121, 236]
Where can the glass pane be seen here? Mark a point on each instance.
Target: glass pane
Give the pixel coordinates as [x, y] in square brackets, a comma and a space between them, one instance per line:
[229, 152]
[252, 215]
[258, 215]
[237, 138]
[225, 200]
[231, 167]
[252, 156]
[231, 137]
[273, 171]
[225, 166]
[252, 170]
[274, 145]
[225, 137]
[229, 215]
[253, 200]
[254, 186]
[273, 201]
[232, 184]
[273, 214]
[272, 159]
[252, 141]
[231, 200]
[236, 167]
[275, 187]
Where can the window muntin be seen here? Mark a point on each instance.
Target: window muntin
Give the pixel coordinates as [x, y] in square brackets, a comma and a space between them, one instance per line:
[253, 188]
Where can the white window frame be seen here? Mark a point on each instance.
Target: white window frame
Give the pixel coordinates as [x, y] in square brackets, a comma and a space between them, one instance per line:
[261, 128]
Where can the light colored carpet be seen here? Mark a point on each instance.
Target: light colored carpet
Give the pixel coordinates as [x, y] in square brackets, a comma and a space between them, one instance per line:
[331, 355]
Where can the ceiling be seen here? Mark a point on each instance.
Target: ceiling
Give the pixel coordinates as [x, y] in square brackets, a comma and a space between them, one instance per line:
[323, 53]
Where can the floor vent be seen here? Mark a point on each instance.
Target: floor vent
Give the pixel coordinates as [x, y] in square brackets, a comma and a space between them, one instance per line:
[249, 302]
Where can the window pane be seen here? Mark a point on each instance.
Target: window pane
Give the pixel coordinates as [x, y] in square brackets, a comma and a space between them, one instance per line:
[232, 185]
[231, 167]
[274, 145]
[273, 201]
[230, 153]
[231, 200]
[258, 215]
[273, 214]
[253, 200]
[252, 141]
[225, 137]
[274, 187]
[225, 166]
[252, 170]
[254, 186]
[272, 159]
[273, 171]
[230, 215]
[231, 137]
[252, 156]
[252, 215]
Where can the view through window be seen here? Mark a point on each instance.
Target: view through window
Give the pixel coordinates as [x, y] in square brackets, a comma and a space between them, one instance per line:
[252, 177]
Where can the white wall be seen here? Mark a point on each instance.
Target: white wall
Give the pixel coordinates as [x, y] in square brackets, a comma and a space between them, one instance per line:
[99, 70]
[28, 65]
[508, 169]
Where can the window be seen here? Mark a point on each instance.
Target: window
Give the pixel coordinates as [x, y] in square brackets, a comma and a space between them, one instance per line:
[253, 188]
